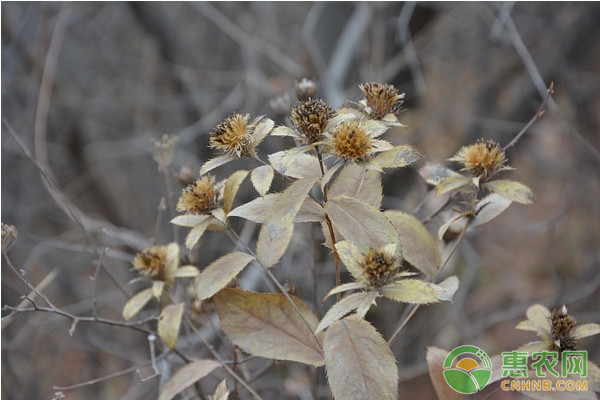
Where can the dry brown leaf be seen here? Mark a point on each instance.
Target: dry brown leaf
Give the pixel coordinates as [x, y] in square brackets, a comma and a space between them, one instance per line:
[287, 205]
[269, 250]
[419, 248]
[435, 361]
[359, 183]
[186, 376]
[261, 178]
[168, 324]
[360, 223]
[359, 363]
[512, 190]
[267, 325]
[220, 272]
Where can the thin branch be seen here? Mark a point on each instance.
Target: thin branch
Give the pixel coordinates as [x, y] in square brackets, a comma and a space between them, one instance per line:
[537, 116]
[246, 39]
[129, 370]
[220, 360]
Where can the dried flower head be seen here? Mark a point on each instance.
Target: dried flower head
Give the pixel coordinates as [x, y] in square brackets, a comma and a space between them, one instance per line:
[163, 150]
[9, 236]
[381, 99]
[280, 105]
[200, 197]
[305, 89]
[310, 118]
[186, 175]
[234, 135]
[152, 262]
[380, 267]
[483, 159]
[351, 140]
[561, 332]
[558, 330]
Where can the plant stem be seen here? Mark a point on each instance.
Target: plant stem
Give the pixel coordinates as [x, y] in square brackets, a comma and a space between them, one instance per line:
[336, 257]
[416, 307]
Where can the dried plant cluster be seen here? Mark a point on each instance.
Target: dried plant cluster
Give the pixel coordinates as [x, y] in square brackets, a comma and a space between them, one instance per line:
[332, 176]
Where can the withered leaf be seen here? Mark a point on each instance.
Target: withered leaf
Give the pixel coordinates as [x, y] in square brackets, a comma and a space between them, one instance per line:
[267, 325]
[220, 272]
[360, 223]
[434, 173]
[221, 391]
[258, 210]
[216, 162]
[262, 130]
[231, 188]
[359, 183]
[168, 324]
[186, 376]
[346, 306]
[399, 156]
[287, 205]
[454, 182]
[269, 250]
[419, 248]
[435, 362]
[136, 303]
[512, 190]
[196, 233]
[189, 220]
[489, 208]
[359, 363]
[261, 178]
[412, 291]
[295, 163]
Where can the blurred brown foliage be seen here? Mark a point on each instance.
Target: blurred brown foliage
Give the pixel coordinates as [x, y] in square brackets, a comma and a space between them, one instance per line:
[87, 85]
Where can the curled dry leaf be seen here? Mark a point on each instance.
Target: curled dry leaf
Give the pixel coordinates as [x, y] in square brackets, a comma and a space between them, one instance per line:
[267, 325]
[187, 376]
[419, 248]
[359, 363]
[220, 272]
[231, 188]
[168, 324]
[489, 208]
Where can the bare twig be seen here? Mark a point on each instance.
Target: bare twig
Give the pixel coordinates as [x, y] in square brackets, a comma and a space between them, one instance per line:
[537, 116]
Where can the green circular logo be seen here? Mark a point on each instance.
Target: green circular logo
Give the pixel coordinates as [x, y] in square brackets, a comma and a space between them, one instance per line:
[467, 369]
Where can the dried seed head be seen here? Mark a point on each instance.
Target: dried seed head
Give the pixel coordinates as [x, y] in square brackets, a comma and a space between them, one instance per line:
[163, 150]
[381, 99]
[233, 136]
[280, 105]
[352, 141]
[9, 236]
[561, 330]
[200, 197]
[305, 89]
[152, 262]
[483, 159]
[186, 174]
[379, 267]
[311, 117]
